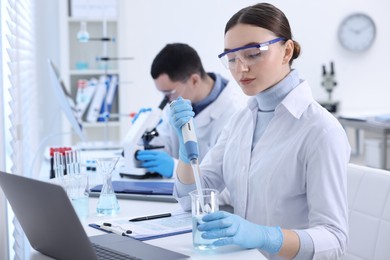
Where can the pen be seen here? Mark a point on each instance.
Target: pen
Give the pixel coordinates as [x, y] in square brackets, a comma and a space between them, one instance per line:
[110, 228]
[165, 215]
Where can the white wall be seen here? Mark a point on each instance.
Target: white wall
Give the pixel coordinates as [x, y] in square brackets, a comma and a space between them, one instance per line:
[146, 26]
[47, 30]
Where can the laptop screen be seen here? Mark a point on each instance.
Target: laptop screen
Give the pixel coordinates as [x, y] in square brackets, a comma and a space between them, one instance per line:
[65, 100]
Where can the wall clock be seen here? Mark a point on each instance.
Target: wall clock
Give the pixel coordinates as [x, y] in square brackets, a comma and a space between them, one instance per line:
[357, 32]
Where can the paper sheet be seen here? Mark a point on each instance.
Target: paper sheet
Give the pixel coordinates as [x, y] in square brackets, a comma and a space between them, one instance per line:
[176, 224]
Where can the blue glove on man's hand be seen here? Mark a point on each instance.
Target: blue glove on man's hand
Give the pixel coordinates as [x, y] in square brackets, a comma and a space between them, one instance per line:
[233, 229]
[142, 110]
[156, 161]
[181, 113]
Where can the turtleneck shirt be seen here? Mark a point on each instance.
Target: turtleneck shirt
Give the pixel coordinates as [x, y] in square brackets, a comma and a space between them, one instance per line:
[269, 99]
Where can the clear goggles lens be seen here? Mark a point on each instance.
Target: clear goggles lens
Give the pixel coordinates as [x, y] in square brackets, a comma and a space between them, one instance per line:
[248, 56]
[168, 92]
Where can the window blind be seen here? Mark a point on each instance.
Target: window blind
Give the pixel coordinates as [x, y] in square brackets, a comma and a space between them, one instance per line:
[20, 92]
[3, 204]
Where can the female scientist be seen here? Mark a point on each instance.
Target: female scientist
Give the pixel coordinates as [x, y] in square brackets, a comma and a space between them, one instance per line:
[283, 158]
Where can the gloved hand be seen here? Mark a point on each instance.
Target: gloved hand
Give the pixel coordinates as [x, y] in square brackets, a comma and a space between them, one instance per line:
[181, 112]
[142, 110]
[233, 229]
[156, 161]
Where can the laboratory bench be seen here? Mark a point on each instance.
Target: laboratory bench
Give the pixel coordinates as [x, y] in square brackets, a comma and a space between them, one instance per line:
[130, 208]
[178, 243]
[380, 129]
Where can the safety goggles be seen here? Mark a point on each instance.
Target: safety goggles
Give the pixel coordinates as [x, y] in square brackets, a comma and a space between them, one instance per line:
[168, 92]
[248, 55]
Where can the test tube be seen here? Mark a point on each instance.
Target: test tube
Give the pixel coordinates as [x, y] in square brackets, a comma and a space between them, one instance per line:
[73, 165]
[58, 164]
[77, 162]
[69, 162]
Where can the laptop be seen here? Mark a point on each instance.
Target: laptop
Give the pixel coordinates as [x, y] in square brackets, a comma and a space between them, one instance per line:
[51, 225]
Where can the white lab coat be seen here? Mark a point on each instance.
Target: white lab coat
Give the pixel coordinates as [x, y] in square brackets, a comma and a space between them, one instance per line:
[208, 123]
[296, 175]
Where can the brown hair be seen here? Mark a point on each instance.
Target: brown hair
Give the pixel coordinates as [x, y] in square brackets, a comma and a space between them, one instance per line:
[268, 17]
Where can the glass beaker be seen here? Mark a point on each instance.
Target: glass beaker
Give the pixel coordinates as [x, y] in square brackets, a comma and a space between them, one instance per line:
[76, 186]
[211, 204]
[108, 202]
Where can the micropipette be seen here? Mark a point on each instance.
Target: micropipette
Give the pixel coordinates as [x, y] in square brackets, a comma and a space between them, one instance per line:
[191, 146]
[190, 141]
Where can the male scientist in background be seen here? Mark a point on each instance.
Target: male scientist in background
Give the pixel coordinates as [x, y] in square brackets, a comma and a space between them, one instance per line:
[177, 71]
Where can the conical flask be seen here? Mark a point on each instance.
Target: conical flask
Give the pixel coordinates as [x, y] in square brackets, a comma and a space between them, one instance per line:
[108, 202]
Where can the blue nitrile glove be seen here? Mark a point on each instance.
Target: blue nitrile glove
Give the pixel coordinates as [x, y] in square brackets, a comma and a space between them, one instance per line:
[233, 229]
[156, 161]
[142, 110]
[181, 113]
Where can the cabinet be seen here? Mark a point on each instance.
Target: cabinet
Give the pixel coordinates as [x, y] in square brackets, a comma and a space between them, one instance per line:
[80, 61]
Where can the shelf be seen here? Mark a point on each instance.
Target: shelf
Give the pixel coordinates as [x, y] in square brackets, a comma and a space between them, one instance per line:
[101, 124]
[93, 72]
[85, 53]
[76, 54]
[90, 20]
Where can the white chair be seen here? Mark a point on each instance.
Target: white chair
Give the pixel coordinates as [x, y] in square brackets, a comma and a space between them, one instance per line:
[369, 213]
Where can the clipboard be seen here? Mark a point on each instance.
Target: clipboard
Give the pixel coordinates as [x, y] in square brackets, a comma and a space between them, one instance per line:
[148, 237]
[140, 190]
[152, 229]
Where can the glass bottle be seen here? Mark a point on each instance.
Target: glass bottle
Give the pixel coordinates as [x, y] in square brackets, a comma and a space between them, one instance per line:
[82, 47]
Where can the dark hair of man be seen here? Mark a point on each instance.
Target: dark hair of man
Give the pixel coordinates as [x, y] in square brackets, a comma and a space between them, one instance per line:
[268, 17]
[179, 61]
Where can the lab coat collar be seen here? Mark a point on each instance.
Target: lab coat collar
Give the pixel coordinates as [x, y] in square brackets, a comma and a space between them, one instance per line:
[298, 100]
[215, 109]
[219, 85]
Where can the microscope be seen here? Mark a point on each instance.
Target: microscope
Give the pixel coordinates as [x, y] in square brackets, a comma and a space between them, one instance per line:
[138, 138]
[329, 83]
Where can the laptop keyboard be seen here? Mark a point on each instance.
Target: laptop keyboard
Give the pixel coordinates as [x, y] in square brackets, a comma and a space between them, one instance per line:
[109, 254]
